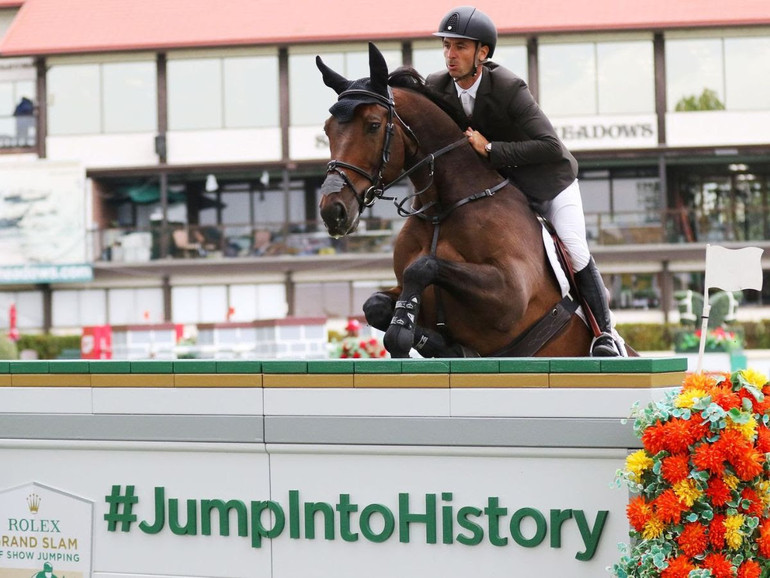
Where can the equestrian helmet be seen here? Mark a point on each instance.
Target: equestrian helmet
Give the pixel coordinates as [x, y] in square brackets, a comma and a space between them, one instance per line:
[469, 22]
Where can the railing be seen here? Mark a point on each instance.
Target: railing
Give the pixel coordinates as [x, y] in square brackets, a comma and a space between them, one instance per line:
[181, 241]
[17, 132]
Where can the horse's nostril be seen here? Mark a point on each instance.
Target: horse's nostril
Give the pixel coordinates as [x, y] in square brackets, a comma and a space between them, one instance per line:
[334, 214]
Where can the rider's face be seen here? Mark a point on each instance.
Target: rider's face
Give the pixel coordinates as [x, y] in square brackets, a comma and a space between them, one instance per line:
[460, 57]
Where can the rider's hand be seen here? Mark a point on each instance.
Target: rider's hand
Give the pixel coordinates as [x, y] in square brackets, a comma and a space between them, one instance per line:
[478, 141]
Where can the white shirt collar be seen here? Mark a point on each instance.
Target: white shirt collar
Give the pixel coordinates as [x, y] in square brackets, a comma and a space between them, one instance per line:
[472, 90]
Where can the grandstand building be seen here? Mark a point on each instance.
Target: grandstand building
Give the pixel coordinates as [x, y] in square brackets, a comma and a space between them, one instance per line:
[160, 160]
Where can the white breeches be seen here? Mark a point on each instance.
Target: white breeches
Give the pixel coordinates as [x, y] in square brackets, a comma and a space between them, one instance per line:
[565, 212]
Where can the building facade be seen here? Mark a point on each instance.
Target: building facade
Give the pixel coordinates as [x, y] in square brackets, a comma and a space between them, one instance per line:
[161, 161]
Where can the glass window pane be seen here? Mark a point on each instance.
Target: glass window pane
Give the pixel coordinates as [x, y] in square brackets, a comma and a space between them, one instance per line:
[694, 74]
[213, 304]
[184, 304]
[567, 79]
[74, 104]
[428, 60]
[309, 98]
[7, 98]
[747, 66]
[195, 94]
[626, 77]
[129, 97]
[514, 58]
[65, 309]
[243, 300]
[251, 92]
[236, 208]
[25, 89]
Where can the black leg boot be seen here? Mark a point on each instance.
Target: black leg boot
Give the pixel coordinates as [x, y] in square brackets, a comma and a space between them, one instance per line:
[591, 288]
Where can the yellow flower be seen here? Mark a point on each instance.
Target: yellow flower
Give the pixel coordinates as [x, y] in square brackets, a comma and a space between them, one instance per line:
[754, 377]
[733, 536]
[687, 491]
[652, 529]
[688, 397]
[763, 490]
[637, 463]
[731, 481]
[748, 429]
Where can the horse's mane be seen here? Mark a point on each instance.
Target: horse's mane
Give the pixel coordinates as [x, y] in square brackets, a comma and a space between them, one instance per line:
[407, 77]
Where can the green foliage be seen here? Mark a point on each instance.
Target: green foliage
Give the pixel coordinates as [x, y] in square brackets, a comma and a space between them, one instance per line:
[708, 100]
[8, 349]
[661, 337]
[647, 336]
[50, 346]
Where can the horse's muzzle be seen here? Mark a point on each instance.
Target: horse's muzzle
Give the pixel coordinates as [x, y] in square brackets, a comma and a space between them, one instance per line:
[334, 213]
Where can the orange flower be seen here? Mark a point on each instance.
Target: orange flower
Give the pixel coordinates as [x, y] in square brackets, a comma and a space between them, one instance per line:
[699, 431]
[717, 491]
[718, 565]
[733, 443]
[748, 465]
[749, 569]
[693, 540]
[668, 508]
[717, 532]
[639, 512]
[675, 468]
[698, 381]
[725, 398]
[763, 438]
[653, 438]
[755, 504]
[764, 537]
[710, 458]
[678, 567]
[678, 435]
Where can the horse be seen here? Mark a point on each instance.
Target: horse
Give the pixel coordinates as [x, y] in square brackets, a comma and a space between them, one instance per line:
[472, 273]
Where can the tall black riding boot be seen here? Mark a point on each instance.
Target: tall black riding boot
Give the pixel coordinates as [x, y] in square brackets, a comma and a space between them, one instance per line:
[591, 287]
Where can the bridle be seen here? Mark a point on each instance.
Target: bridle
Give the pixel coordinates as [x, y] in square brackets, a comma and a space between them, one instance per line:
[377, 188]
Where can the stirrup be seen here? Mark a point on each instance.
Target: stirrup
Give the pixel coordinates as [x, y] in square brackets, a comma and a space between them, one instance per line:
[604, 346]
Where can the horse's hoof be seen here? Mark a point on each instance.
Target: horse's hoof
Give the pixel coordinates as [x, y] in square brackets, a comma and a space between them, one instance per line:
[378, 310]
[398, 341]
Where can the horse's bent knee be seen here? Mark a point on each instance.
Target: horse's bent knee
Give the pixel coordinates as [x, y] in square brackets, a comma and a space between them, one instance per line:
[378, 310]
[422, 271]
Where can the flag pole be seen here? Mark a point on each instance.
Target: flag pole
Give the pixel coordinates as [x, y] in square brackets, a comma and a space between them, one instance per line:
[703, 328]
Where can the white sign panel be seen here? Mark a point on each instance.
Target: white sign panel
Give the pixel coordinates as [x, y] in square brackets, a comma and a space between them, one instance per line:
[607, 132]
[42, 213]
[44, 533]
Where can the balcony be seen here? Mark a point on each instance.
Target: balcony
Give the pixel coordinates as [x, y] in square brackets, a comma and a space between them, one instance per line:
[179, 241]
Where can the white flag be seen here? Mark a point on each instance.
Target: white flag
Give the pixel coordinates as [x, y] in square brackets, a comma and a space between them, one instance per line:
[733, 269]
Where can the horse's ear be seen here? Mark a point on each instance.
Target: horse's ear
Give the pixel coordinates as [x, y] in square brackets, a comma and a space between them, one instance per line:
[378, 71]
[333, 80]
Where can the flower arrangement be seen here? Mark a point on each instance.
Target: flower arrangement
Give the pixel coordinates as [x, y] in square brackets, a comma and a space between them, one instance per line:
[700, 504]
[719, 339]
[355, 347]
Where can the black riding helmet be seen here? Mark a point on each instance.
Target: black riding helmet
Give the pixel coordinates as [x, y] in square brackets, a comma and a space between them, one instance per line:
[469, 22]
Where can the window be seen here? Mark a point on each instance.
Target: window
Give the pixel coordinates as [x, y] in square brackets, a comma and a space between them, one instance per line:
[310, 98]
[17, 101]
[115, 97]
[721, 73]
[597, 78]
[223, 93]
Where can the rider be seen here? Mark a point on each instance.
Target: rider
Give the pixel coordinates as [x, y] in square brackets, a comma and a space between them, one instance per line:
[506, 126]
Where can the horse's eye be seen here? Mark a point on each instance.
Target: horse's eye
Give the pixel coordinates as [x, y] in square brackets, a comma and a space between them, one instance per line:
[374, 127]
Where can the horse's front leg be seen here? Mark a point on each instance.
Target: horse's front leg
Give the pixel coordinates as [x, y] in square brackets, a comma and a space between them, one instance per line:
[399, 335]
[379, 310]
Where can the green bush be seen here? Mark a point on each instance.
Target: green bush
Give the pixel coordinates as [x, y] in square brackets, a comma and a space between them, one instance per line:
[661, 336]
[8, 349]
[647, 336]
[50, 346]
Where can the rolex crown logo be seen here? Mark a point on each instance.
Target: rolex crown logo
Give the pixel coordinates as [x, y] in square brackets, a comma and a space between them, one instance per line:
[33, 501]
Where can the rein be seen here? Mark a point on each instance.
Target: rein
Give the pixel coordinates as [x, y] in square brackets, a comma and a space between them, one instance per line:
[377, 189]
